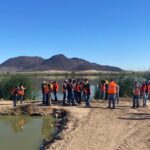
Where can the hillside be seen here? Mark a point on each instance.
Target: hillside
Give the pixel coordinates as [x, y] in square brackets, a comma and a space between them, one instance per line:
[57, 62]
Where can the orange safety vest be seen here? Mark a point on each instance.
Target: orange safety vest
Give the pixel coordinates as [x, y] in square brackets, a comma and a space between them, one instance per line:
[46, 89]
[78, 88]
[57, 87]
[112, 88]
[136, 91]
[21, 92]
[149, 88]
[144, 88]
[103, 87]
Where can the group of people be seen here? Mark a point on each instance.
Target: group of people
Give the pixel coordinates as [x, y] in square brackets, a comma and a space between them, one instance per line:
[77, 90]
[18, 94]
[74, 91]
[141, 90]
[49, 88]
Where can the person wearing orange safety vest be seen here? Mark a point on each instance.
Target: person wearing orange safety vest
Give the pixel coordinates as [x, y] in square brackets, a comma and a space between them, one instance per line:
[86, 93]
[55, 89]
[112, 93]
[79, 91]
[136, 95]
[21, 92]
[144, 90]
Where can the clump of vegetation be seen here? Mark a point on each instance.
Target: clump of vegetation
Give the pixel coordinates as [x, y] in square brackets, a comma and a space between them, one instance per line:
[9, 82]
[125, 81]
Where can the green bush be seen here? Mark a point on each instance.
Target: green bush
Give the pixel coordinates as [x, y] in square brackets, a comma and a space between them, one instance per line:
[9, 82]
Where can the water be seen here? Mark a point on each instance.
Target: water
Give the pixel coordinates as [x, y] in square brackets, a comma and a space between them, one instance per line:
[23, 132]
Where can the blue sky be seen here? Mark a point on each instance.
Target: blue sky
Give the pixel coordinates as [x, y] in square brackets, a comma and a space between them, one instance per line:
[108, 32]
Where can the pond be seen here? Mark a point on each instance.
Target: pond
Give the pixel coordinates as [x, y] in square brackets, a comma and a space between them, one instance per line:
[24, 132]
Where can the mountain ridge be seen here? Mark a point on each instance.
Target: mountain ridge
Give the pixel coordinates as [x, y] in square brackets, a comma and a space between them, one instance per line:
[56, 62]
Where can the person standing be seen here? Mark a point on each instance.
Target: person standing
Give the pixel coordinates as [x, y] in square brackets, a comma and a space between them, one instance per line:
[112, 93]
[144, 90]
[103, 90]
[55, 89]
[70, 93]
[86, 93]
[136, 95]
[43, 88]
[49, 96]
[21, 92]
[15, 93]
[148, 86]
[64, 91]
[79, 91]
[117, 92]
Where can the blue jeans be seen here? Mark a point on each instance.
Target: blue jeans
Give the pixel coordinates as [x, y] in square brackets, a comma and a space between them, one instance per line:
[44, 98]
[21, 98]
[55, 95]
[86, 99]
[112, 99]
[145, 97]
[135, 101]
[103, 95]
[70, 98]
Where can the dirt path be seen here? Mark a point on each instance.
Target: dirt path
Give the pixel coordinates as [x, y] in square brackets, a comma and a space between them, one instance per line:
[99, 128]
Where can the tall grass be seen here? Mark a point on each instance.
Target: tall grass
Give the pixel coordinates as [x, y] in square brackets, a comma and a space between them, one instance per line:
[125, 81]
[7, 83]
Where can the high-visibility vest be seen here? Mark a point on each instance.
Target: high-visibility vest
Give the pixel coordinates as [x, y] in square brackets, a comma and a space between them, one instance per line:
[136, 91]
[55, 87]
[112, 88]
[46, 89]
[148, 88]
[78, 88]
[21, 92]
[144, 88]
[103, 87]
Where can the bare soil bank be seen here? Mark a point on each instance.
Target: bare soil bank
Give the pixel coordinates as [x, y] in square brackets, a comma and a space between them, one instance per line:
[99, 128]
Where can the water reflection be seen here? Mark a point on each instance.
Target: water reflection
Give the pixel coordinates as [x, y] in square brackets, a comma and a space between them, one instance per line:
[28, 131]
[47, 127]
[16, 123]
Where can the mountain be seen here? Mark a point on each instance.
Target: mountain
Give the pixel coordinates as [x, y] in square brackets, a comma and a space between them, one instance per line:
[57, 62]
[21, 63]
